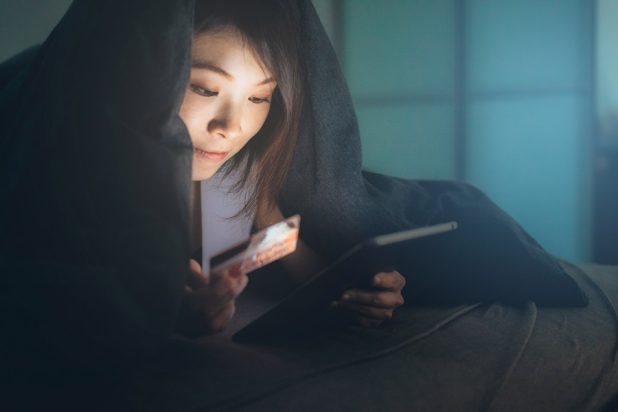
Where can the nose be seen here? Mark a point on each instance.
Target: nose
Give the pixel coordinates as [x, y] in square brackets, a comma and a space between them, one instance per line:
[227, 122]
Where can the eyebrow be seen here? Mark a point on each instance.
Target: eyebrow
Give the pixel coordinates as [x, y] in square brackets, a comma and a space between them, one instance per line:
[201, 64]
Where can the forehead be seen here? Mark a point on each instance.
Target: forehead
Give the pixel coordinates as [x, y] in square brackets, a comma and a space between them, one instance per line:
[227, 48]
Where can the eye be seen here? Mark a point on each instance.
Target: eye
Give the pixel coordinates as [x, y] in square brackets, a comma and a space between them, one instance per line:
[202, 91]
[259, 100]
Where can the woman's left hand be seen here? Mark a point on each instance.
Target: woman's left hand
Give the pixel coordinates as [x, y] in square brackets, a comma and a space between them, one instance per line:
[372, 307]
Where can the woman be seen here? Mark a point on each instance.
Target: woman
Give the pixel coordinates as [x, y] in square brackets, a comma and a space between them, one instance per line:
[241, 109]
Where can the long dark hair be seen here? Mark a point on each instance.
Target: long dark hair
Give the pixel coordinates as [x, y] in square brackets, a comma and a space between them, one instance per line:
[271, 28]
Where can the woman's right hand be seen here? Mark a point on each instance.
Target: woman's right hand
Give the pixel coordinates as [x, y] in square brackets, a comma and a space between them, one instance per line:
[209, 301]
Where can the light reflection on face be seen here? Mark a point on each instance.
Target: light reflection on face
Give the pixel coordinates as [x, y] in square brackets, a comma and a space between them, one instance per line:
[227, 99]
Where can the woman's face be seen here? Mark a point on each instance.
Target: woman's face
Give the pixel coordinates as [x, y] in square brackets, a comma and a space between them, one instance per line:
[227, 100]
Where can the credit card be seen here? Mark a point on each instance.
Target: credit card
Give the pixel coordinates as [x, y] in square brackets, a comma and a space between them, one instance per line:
[262, 248]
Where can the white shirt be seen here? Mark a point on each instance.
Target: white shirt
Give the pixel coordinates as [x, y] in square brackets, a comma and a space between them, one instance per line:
[219, 232]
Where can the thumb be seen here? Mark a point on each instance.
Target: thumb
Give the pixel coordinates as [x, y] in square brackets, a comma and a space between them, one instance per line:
[196, 278]
[194, 266]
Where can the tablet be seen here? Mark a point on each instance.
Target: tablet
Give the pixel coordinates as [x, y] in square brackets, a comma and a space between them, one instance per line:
[310, 301]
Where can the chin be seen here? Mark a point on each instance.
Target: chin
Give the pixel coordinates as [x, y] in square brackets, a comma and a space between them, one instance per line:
[198, 175]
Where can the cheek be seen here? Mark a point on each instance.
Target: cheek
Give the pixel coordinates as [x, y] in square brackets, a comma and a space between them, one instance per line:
[256, 119]
[191, 114]
[252, 123]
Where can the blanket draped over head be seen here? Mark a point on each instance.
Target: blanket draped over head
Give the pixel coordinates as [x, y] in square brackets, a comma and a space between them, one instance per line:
[96, 166]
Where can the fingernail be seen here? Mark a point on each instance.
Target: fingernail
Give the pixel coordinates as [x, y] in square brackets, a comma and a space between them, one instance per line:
[345, 296]
[377, 280]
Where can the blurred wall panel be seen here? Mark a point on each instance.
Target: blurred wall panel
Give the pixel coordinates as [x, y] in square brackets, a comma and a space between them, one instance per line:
[408, 140]
[498, 93]
[398, 59]
[525, 153]
[527, 45]
[529, 131]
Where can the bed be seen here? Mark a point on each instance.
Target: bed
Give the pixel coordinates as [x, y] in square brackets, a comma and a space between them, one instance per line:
[468, 357]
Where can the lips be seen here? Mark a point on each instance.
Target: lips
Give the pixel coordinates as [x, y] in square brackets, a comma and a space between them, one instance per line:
[213, 156]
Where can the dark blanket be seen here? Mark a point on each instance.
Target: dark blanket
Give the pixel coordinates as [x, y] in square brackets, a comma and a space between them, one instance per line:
[95, 166]
[466, 358]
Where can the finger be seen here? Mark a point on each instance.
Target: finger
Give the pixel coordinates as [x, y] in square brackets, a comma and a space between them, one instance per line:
[211, 299]
[220, 290]
[222, 318]
[389, 281]
[365, 310]
[206, 302]
[233, 271]
[194, 266]
[381, 299]
[196, 279]
[229, 287]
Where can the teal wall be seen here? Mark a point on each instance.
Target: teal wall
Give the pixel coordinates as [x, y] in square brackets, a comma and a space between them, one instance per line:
[497, 93]
[399, 65]
[529, 128]
[24, 23]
